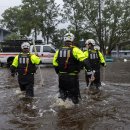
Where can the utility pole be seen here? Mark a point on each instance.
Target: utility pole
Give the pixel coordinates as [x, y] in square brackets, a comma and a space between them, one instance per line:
[35, 33]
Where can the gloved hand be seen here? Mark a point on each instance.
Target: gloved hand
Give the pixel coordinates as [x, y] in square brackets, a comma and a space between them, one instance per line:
[13, 74]
[103, 64]
[92, 76]
[40, 62]
[90, 72]
[57, 70]
[13, 70]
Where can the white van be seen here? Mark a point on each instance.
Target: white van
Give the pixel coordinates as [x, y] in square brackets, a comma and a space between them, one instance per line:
[45, 52]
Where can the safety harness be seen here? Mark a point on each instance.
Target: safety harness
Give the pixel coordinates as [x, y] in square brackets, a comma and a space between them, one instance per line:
[67, 62]
[94, 59]
[25, 65]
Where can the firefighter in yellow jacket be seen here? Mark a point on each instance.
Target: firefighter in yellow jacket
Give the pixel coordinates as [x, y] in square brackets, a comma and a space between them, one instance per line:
[96, 59]
[25, 65]
[67, 62]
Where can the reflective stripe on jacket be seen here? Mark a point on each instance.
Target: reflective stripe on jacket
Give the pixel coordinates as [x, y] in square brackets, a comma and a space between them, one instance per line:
[76, 56]
[25, 63]
[95, 57]
[66, 61]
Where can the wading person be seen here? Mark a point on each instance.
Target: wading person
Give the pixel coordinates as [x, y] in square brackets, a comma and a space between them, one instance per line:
[67, 62]
[25, 65]
[96, 59]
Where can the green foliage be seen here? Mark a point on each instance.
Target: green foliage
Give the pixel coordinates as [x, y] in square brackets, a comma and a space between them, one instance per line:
[73, 13]
[58, 37]
[50, 20]
[33, 15]
[108, 22]
[14, 36]
[11, 19]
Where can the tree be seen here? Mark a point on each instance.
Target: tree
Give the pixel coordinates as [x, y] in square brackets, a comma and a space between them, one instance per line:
[42, 16]
[58, 37]
[14, 36]
[49, 20]
[113, 23]
[11, 19]
[73, 14]
[106, 21]
[33, 16]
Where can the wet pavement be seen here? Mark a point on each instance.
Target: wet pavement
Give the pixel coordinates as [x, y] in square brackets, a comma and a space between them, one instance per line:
[109, 110]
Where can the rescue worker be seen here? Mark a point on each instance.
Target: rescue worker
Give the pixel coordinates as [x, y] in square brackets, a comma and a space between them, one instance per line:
[96, 59]
[67, 62]
[25, 65]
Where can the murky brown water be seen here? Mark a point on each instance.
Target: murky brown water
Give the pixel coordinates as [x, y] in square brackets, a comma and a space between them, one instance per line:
[108, 111]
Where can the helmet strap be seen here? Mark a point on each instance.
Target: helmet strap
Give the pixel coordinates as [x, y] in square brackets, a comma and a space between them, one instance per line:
[25, 50]
[68, 43]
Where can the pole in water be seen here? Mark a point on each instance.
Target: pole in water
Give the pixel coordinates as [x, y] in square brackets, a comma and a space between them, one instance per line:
[103, 76]
[38, 65]
[40, 74]
[90, 81]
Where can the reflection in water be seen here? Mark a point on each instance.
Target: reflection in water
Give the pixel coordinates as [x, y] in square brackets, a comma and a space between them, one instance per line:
[107, 111]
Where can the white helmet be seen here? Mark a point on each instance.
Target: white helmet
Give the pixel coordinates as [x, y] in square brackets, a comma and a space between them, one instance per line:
[90, 41]
[69, 37]
[25, 45]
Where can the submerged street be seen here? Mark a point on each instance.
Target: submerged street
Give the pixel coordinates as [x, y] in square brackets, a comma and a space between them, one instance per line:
[108, 110]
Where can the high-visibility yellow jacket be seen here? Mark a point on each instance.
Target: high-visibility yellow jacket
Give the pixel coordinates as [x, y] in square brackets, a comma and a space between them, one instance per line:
[77, 53]
[24, 63]
[34, 59]
[74, 60]
[95, 57]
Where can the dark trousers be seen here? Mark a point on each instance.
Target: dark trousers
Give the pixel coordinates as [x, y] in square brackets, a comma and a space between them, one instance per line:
[96, 82]
[69, 87]
[26, 83]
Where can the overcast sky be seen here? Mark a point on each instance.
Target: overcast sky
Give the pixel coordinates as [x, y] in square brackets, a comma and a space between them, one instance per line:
[4, 4]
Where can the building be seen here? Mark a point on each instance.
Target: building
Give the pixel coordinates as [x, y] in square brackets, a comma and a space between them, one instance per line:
[120, 54]
[3, 34]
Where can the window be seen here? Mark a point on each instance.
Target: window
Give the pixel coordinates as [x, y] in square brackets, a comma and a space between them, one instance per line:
[48, 49]
[37, 49]
[125, 53]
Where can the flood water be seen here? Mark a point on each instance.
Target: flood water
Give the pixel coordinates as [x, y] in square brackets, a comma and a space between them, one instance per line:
[109, 110]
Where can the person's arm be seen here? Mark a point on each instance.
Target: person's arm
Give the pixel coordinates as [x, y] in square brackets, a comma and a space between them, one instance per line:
[35, 59]
[79, 55]
[55, 64]
[86, 54]
[102, 59]
[14, 66]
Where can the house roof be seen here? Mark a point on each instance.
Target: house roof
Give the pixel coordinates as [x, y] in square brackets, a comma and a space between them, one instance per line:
[5, 30]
